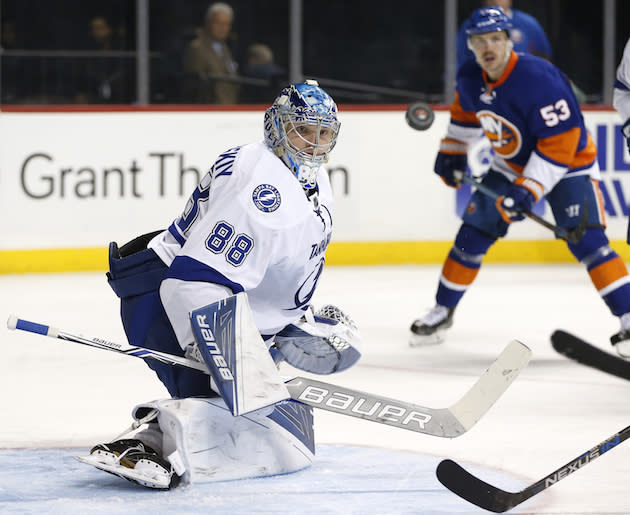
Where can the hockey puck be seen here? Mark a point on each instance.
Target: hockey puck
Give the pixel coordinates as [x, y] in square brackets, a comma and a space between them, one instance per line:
[419, 116]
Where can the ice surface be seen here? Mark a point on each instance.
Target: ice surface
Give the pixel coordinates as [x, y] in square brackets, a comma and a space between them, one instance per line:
[60, 398]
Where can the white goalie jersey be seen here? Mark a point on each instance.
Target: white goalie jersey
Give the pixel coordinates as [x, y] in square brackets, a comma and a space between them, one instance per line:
[248, 226]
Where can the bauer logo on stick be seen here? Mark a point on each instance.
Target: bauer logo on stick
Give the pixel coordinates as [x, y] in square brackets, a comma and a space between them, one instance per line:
[419, 116]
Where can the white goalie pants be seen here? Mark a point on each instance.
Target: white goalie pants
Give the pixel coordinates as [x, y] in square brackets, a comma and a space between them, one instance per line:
[204, 442]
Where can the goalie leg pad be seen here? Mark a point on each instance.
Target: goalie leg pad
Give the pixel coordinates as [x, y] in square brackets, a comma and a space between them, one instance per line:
[213, 445]
[203, 442]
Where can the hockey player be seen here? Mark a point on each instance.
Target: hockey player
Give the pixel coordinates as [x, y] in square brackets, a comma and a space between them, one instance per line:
[621, 94]
[252, 236]
[526, 108]
[621, 101]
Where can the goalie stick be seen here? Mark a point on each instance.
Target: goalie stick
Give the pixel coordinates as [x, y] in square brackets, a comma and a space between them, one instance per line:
[461, 482]
[578, 350]
[443, 422]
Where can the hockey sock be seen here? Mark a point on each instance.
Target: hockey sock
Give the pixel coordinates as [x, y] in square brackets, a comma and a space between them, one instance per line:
[606, 269]
[462, 265]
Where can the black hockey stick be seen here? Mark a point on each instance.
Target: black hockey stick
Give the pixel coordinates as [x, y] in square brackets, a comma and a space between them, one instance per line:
[443, 422]
[578, 350]
[572, 236]
[491, 498]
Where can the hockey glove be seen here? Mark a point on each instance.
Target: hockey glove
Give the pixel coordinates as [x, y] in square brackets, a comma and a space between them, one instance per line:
[521, 196]
[321, 343]
[625, 130]
[451, 158]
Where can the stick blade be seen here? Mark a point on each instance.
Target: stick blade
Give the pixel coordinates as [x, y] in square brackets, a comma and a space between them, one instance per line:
[492, 384]
[472, 489]
[578, 350]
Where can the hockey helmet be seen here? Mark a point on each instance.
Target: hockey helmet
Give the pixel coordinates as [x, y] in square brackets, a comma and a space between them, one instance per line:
[488, 19]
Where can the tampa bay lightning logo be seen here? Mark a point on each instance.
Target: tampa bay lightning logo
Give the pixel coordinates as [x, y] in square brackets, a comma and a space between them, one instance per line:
[306, 290]
[266, 198]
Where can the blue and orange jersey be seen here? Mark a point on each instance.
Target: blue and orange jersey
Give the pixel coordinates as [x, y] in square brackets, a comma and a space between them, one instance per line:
[531, 117]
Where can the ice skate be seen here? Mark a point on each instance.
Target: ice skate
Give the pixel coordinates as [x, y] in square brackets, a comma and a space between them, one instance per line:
[429, 330]
[621, 340]
[132, 460]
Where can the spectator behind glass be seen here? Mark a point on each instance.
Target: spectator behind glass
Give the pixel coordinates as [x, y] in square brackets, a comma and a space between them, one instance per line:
[103, 79]
[526, 34]
[13, 72]
[208, 57]
[261, 65]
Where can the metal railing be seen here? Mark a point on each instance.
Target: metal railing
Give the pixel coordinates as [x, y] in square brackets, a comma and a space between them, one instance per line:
[139, 76]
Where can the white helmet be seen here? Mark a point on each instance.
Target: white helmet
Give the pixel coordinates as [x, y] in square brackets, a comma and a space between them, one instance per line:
[303, 152]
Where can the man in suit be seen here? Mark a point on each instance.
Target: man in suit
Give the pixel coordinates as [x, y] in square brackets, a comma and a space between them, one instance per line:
[208, 58]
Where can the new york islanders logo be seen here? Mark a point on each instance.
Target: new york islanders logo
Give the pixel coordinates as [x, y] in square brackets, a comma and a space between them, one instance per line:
[266, 198]
[504, 136]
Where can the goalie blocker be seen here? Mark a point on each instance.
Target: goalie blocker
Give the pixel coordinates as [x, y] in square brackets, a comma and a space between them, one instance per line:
[243, 370]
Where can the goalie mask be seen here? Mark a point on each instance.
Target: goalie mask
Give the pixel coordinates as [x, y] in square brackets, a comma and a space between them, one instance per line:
[301, 128]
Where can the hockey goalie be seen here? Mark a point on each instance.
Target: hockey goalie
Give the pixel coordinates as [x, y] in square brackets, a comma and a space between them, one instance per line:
[230, 284]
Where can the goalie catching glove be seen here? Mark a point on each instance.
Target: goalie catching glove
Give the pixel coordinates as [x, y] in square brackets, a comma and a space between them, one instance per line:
[321, 343]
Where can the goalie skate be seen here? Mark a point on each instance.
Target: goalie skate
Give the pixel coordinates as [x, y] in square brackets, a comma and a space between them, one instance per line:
[430, 329]
[134, 461]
